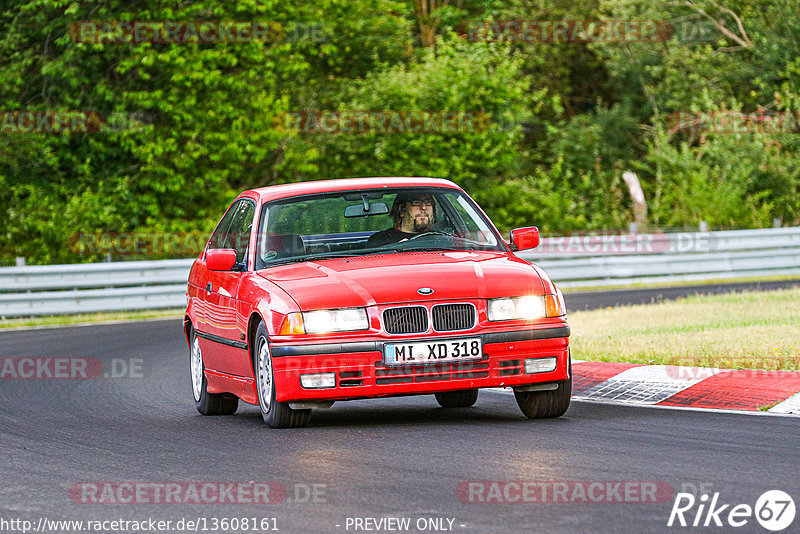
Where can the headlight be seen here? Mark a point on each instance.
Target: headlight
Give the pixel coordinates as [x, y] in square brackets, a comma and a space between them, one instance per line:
[344, 320]
[507, 309]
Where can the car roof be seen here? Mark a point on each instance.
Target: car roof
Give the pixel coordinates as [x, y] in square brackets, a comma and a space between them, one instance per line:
[324, 186]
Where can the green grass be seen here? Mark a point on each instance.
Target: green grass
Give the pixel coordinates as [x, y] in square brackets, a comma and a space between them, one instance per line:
[88, 318]
[748, 330]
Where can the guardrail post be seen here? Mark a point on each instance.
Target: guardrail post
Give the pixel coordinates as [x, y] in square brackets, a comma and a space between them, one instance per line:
[639, 203]
[20, 261]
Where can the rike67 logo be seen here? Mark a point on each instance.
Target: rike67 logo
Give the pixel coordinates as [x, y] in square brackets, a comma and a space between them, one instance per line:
[774, 510]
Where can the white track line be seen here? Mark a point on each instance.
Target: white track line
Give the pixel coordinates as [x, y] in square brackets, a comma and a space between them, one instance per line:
[789, 406]
[578, 398]
[648, 384]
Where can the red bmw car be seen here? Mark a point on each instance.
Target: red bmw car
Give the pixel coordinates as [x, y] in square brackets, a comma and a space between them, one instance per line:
[317, 292]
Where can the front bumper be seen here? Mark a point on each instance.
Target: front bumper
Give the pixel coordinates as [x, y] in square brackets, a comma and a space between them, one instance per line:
[361, 373]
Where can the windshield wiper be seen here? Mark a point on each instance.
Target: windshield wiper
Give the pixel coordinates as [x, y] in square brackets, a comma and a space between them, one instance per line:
[328, 256]
[467, 246]
[346, 254]
[472, 242]
[427, 249]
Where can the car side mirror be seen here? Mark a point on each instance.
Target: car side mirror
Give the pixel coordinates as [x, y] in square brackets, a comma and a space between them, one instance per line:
[220, 259]
[524, 238]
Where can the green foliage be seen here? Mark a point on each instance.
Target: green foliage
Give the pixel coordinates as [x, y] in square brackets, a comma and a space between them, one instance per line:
[744, 191]
[202, 129]
[479, 80]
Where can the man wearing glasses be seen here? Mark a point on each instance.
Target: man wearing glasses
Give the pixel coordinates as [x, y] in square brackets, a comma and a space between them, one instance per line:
[412, 213]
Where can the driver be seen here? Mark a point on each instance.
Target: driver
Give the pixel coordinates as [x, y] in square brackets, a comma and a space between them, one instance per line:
[412, 213]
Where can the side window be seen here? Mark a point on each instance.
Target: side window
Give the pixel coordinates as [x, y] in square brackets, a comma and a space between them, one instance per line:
[239, 233]
[234, 229]
[218, 237]
[475, 226]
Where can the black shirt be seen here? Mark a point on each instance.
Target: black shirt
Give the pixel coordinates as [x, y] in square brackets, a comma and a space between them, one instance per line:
[385, 237]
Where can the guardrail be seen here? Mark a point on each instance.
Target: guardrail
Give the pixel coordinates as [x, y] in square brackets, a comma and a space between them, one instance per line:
[582, 261]
[572, 262]
[93, 287]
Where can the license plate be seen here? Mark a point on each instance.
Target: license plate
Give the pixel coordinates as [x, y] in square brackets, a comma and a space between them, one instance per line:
[451, 350]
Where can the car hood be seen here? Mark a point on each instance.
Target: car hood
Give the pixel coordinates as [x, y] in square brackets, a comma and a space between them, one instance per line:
[395, 278]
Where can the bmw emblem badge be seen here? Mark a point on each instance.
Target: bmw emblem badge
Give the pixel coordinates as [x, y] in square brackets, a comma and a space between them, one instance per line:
[424, 291]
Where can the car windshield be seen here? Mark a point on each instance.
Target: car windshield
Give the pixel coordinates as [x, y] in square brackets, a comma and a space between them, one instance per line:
[356, 223]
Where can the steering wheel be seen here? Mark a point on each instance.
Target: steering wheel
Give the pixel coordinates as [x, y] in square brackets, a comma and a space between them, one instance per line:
[430, 232]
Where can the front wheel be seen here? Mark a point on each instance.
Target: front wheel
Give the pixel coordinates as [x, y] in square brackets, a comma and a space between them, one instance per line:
[546, 404]
[457, 399]
[205, 402]
[275, 414]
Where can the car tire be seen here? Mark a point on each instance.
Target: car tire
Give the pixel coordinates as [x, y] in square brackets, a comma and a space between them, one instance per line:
[275, 414]
[546, 404]
[457, 399]
[205, 402]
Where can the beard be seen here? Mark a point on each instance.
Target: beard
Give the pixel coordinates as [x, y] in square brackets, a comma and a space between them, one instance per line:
[422, 223]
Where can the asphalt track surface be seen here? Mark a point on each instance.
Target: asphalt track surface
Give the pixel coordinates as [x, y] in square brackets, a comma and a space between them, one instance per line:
[400, 457]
